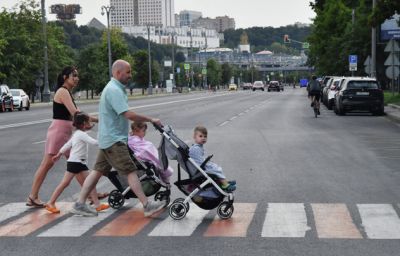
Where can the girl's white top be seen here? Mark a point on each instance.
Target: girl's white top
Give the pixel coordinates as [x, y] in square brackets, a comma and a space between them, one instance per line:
[79, 145]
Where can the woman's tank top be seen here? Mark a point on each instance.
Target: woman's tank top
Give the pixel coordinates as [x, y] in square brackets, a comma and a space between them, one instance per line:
[60, 111]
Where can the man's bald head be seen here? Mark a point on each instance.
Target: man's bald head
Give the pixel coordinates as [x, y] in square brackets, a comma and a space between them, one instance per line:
[121, 71]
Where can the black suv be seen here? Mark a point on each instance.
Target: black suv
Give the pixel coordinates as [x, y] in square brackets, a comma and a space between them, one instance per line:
[359, 93]
[6, 99]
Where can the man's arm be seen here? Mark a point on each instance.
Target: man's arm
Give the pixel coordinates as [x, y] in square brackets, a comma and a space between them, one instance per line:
[130, 115]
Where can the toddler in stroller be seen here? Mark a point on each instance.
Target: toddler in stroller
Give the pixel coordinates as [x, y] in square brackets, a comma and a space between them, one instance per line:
[151, 175]
[200, 187]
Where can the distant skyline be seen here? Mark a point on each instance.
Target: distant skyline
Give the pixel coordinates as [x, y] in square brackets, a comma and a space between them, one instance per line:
[250, 13]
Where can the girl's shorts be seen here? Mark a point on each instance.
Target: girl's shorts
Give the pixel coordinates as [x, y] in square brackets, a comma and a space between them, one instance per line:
[75, 167]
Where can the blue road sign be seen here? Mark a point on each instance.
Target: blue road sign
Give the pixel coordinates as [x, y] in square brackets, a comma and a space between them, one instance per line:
[353, 59]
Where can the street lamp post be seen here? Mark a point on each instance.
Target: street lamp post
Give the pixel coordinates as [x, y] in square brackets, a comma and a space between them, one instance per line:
[373, 46]
[46, 89]
[173, 56]
[107, 10]
[150, 89]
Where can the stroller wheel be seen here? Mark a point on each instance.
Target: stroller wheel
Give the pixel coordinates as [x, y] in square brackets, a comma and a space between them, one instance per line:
[177, 210]
[225, 210]
[181, 200]
[116, 200]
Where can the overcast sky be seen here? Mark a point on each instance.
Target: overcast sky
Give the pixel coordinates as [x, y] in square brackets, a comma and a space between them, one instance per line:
[247, 13]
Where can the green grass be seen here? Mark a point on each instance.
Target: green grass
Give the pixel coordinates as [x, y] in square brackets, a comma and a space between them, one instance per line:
[392, 99]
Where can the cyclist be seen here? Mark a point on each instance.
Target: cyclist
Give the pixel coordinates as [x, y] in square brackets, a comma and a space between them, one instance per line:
[314, 92]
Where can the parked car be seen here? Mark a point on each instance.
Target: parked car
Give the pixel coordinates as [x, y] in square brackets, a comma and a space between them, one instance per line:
[359, 93]
[274, 86]
[247, 86]
[332, 90]
[258, 85]
[20, 99]
[324, 90]
[232, 87]
[6, 99]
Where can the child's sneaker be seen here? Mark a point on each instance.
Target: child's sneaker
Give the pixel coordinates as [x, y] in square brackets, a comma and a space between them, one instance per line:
[233, 182]
[153, 207]
[102, 207]
[229, 187]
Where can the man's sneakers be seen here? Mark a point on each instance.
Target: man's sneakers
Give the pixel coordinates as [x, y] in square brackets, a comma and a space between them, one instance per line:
[153, 207]
[83, 210]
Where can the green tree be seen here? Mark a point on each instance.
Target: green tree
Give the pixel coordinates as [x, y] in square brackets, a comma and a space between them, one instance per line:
[226, 73]
[213, 73]
[141, 69]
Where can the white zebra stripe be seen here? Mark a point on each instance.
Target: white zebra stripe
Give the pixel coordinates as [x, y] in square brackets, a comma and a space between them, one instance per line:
[184, 227]
[11, 210]
[285, 220]
[76, 226]
[380, 221]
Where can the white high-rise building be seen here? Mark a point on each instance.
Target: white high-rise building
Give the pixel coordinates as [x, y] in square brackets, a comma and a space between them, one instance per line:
[143, 12]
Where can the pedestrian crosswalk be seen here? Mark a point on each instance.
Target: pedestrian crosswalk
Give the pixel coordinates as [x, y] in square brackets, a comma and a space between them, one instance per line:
[272, 220]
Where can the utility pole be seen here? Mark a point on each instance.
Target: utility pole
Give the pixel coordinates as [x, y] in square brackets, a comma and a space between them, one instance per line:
[107, 10]
[173, 56]
[191, 56]
[150, 89]
[46, 89]
[373, 46]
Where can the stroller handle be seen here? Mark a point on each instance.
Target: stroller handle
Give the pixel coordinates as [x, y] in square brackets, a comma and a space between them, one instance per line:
[158, 127]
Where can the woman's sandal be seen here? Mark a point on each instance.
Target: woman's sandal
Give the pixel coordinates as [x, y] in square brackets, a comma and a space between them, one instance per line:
[52, 209]
[31, 202]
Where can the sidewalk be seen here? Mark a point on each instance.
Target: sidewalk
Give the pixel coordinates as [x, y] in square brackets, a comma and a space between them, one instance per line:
[393, 112]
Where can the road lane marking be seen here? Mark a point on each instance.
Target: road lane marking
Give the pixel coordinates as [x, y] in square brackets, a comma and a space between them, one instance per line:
[33, 221]
[236, 226]
[334, 221]
[76, 226]
[12, 209]
[380, 221]
[2, 127]
[224, 123]
[128, 223]
[39, 142]
[285, 220]
[184, 227]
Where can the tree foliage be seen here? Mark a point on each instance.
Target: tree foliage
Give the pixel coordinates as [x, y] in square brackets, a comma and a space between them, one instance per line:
[263, 38]
[213, 72]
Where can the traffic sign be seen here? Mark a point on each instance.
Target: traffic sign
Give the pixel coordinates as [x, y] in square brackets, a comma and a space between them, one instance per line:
[392, 60]
[204, 71]
[353, 59]
[178, 70]
[186, 66]
[306, 45]
[353, 62]
[392, 72]
[392, 46]
[367, 65]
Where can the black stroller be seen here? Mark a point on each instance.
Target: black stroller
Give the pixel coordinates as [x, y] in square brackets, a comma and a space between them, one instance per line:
[201, 187]
[149, 177]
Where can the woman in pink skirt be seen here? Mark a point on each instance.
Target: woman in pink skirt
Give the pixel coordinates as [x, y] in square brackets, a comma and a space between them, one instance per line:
[60, 130]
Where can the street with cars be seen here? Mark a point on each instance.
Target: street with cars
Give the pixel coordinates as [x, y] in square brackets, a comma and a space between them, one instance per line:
[304, 185]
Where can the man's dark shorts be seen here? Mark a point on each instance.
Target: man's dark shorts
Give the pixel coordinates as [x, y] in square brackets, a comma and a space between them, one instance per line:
[317, 95]
[117, 156]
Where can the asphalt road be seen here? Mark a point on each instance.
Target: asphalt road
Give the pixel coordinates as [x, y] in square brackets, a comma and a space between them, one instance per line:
[306, 186]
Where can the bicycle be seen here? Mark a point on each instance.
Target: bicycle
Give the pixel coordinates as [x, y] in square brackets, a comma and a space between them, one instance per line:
[315, 106]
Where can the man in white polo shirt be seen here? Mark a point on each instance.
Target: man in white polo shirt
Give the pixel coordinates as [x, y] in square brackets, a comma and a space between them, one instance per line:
[114, 116]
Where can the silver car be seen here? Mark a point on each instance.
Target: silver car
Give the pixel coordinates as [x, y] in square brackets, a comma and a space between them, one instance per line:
[20, 99]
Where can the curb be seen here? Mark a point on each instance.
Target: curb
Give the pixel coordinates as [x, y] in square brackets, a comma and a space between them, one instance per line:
[89, 101]
[390, 115]
[394, 106]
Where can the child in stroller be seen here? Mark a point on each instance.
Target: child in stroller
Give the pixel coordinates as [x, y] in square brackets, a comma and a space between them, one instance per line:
[151, 175]
[196, 152]
[200, 188]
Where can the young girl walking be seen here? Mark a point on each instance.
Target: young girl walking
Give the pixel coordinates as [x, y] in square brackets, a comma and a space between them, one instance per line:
[77, 161]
